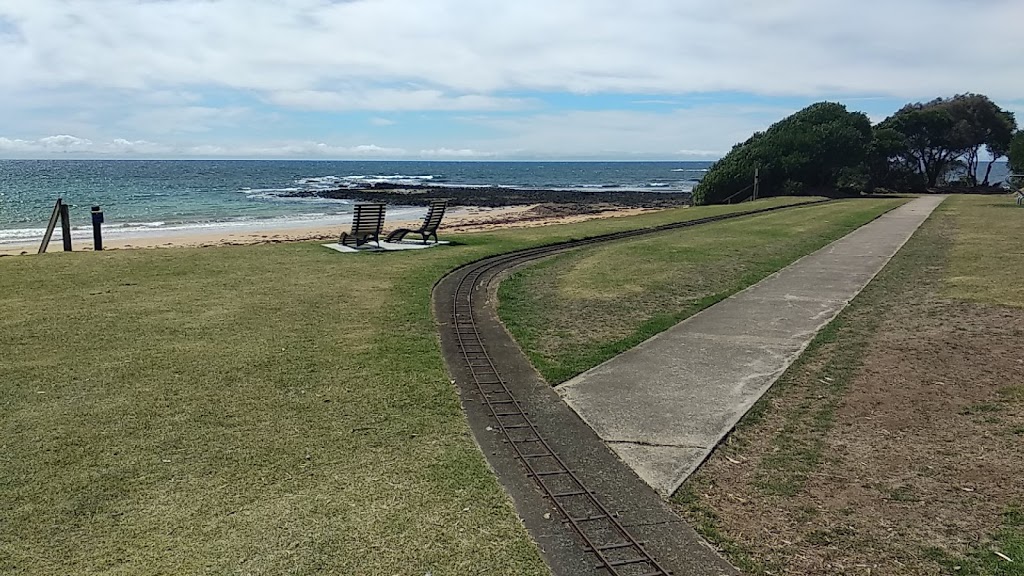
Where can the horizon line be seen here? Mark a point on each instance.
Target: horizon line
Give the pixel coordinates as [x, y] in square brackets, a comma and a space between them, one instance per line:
[423, 160]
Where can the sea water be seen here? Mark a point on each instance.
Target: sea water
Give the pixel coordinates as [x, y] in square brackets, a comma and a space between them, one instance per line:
[147, 197]
[157, 198]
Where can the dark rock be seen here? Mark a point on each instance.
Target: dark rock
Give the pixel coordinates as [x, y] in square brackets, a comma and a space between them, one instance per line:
[494, 197]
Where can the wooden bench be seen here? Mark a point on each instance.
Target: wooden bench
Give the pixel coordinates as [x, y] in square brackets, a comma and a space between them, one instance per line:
[430, 223]
[367, 224]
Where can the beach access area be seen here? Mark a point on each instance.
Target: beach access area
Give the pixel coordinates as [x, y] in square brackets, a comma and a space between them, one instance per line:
[473, 209]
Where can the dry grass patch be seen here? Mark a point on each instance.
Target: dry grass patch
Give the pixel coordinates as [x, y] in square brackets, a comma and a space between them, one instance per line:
[893, 446]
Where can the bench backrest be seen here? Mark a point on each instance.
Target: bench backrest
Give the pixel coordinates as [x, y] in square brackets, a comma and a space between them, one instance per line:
[368, 218]
[434, 215]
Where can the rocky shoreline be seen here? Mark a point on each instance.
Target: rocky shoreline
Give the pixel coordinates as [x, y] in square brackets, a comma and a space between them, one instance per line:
[497, 197]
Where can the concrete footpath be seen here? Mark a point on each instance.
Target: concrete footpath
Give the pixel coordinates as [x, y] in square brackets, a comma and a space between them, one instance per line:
[664, 405]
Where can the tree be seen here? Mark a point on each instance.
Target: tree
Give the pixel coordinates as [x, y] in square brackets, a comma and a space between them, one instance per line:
[981, 124]
[930, 136]
[824, 147]
[814, 149]
[938, 135]
[998, 144]
[887, 164]
[1015, 152]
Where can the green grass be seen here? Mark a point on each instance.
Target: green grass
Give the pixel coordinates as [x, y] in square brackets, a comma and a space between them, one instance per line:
[275, 409]
[579, 309]
[987, 264]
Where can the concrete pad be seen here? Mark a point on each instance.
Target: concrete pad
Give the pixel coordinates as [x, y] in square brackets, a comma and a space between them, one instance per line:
[638, 397]
[788, 320]
[384, 246]
[664, 405]
[659, 466]
[811, 281]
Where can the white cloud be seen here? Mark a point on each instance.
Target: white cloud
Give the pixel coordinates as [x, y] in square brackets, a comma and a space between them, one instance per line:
[64, 142]
[386, 99]
[64, 145]
[195, 77]
[700, 153]
[450, 153]
[297, 49]
[306, 150]
[67, 145]
[692, 133]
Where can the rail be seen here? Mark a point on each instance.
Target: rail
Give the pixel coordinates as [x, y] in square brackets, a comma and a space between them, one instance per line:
[616, 549]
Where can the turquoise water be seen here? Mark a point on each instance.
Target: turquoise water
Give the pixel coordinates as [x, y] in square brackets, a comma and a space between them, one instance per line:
[149, 196]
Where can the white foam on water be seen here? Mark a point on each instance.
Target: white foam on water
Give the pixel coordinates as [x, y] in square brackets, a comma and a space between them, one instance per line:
[322, 183]
[366, 181]
[363, 180]
[287, 195]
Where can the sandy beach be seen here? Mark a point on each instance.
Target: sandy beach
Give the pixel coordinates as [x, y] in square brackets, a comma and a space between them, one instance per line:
[458, 220]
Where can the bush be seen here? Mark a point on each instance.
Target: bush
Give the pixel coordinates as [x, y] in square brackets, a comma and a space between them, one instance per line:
[816, 149]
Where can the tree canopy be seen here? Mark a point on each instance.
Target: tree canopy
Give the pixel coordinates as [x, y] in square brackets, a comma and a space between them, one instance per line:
[812, 149]
[939, 133]
[1016, 153]
[825, 147]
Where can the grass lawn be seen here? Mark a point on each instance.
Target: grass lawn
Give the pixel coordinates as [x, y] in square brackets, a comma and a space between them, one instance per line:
[275, 409]
[895, 445]
[576, 310]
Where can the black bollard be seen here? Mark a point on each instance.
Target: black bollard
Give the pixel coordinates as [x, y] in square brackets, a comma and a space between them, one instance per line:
[97, 233]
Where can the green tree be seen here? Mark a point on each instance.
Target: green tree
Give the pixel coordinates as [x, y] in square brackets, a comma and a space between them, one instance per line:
[817, 148]
[949, 133]
[887, 162]
[931, 137]
[981, 124]
[1015, 153]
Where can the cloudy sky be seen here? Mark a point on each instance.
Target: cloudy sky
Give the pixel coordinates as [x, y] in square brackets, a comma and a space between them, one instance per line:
[474, 79]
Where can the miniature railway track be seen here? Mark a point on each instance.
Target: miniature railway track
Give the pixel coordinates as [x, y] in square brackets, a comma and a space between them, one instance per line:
[616, 550]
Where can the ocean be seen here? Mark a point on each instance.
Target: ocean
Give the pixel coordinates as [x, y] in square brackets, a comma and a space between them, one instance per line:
[145, 197]
[171, 197]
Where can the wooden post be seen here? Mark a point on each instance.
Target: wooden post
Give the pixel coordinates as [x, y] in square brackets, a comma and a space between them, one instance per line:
[65, 226]
[97, 233]
[50, 227]
[757, 181]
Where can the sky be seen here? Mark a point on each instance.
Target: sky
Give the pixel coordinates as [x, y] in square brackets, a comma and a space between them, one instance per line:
[474, 80]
